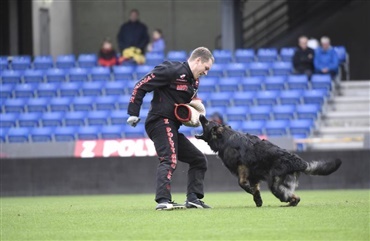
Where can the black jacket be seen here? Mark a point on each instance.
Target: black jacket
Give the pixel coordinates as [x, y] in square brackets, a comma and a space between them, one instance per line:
[172, 83]
[303, 59]
[133, 34]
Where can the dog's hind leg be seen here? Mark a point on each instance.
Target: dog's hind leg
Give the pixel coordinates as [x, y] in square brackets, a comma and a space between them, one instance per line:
[252, 187]
[283, 188]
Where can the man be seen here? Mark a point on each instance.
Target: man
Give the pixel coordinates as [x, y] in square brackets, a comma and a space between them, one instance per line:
[326, 59]
[133, 33]
[173, 83]
[303, 58]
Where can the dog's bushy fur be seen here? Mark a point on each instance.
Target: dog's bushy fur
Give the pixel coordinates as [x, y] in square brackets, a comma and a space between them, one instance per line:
[253, 160]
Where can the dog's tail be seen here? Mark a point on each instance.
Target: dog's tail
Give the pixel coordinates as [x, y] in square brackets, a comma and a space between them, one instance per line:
[322, 168]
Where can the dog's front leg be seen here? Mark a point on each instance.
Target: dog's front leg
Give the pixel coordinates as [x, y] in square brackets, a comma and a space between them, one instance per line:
[243, 173]
[255, 187]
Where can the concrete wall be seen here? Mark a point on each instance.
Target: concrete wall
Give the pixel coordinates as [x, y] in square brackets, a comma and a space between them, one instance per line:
[185, 24]
[66, 176]
[60, 26]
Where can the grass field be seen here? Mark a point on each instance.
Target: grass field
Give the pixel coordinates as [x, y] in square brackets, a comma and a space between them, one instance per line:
[321, 215]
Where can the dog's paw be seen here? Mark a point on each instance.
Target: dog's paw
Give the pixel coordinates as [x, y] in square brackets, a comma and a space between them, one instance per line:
[258, 201]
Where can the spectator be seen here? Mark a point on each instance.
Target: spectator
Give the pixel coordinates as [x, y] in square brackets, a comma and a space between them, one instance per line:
[107, 54]
[217, 117]
[157, 44]
[326, 59]
[303, 58]
[133, 33]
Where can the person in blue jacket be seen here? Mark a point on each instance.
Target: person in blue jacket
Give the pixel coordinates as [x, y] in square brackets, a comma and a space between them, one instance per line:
[158, 44]
[326, 59]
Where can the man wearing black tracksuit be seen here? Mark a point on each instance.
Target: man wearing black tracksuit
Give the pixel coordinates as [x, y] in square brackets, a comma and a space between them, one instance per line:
[173, 83]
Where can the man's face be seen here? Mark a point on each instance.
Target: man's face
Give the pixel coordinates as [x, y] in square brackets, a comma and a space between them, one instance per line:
[201, 68]
[302, 42]
[325, 45]
[134, 16]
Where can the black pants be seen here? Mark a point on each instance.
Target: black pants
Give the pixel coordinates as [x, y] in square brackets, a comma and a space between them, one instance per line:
[172, 146]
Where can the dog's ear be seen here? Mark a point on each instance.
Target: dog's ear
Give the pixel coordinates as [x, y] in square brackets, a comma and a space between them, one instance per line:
[219, 131]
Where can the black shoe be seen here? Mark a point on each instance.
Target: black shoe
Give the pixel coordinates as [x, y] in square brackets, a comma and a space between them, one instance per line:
[169, 206]
[196, 204]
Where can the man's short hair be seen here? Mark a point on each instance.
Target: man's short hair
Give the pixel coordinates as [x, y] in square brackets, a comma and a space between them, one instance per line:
[204, 54]
[325, 39]
[134, 11]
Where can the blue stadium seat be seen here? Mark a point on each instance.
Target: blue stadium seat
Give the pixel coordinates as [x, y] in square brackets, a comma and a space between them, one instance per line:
[83, 103]
[217, 70]
[130, 87]
[147, 101]
[24, 90]
[287, 53]
[33, 76]
[11, 76]
[8, 120]
[100, 117]
[78, 74]
[56, 75]
[118, 117]
[235, 125]
[244, 55]
[65, 61]
[20, 63]
[4, 63]
[203, 96]
[29, 119]
[105, 102]
[213, 110]
[281, 68]
[123, 72]
[87, 60]
[38, 104]
[75, 118]
[60, 104]
[253, 127]
[47, 90]
[43, 62]
[115, 88]
[283, 112]
[237, 113]
[186, 130]
[275, 82]
[70, 89]
[243, 98]
[291, 97]
[100, 73]
[41, 134]
[276, 127]
[236, 70]
[3, 134]
[52, 119]
[14, 105]
[62, 133]
[321, 81]
[208, 84]
[111, 132]
[259, 69]
[143, 70]
[314, 96]
[267, 54]
[222, 56]
[297, 82]
[260, 112]
[341, 52]
[229, 84]
[122, 102]
[177, 55]
[269, 97]
[88, 132]
[154, 58]
[300, 127]
[220, 99]
[92, 88]
[18, 135]
[137, 132]
[6, 90]
[308, 111]
[252, 83]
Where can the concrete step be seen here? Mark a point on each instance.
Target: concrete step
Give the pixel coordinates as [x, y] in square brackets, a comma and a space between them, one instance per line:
[335, 141]
[355, 84]
[347, 115]
[325, 130]
[345, 122]
[336, 146]
[354, 92]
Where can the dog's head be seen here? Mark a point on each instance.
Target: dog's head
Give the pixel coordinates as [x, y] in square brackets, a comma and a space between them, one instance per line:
[213, 132]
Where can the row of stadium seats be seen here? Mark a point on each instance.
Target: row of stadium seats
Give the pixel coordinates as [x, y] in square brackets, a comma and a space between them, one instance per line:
[221, 56]
[296, 82]
[114, 117]
[298, 128]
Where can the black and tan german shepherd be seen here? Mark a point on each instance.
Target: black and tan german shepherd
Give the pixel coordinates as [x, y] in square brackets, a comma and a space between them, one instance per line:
[253, 160]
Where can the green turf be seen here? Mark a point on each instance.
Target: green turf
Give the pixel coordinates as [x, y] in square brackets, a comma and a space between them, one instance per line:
[321, 215]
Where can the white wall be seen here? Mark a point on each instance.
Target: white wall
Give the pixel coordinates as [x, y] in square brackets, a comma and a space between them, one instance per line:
[60, 26]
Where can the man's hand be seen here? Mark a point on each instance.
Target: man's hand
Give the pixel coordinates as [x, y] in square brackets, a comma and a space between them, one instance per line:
[133, 120]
